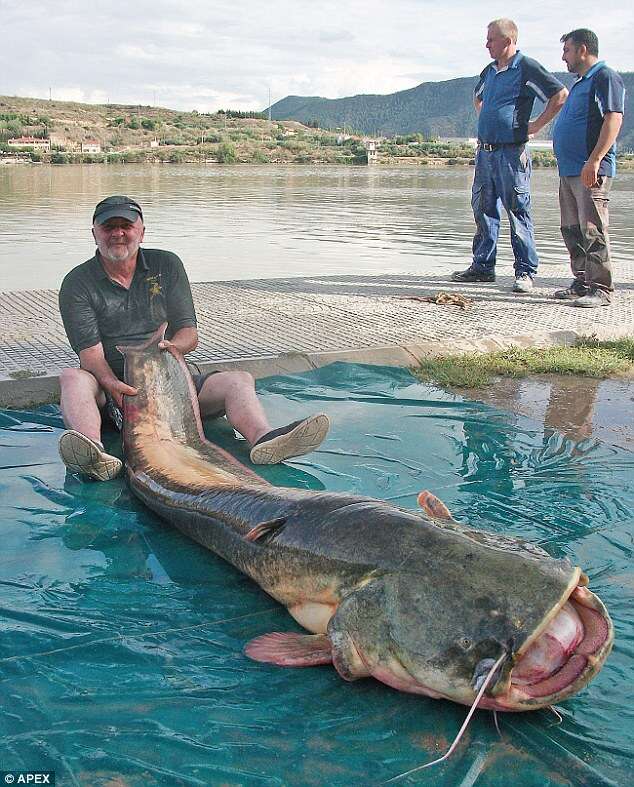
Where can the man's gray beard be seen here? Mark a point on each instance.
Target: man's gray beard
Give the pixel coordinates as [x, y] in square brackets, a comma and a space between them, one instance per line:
[106, 255]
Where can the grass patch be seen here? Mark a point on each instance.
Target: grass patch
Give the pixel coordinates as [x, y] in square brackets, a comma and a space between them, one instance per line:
[589, 357]
[25, 374]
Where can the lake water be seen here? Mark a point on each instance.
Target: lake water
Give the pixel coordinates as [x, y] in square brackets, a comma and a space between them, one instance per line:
[245, 222]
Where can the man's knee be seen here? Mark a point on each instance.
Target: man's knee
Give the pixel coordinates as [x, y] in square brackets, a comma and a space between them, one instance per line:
[240, 379]
[223, 383]
[73, 378]
[78, 381]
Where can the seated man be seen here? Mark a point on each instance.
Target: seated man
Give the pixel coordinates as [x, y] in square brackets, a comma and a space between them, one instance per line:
[121, 296]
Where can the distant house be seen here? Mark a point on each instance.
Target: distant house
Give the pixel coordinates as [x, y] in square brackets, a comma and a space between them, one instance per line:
[34, 143]
[154, 143]
[91, 146]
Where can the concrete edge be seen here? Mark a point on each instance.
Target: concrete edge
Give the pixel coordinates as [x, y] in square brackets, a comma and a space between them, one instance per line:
[34, 391]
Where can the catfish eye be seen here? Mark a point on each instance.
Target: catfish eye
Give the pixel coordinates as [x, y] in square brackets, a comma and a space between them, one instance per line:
[465, 643]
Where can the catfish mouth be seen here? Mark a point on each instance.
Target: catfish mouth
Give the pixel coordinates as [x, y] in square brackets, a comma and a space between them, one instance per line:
[560, 660]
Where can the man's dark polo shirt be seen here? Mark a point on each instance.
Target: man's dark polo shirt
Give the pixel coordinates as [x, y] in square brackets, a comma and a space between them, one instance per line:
[95, 309]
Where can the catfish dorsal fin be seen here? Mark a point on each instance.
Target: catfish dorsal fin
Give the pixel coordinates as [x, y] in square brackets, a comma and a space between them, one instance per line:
[434, 507]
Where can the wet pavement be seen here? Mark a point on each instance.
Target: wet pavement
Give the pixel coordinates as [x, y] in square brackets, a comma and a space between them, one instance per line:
[271, 326]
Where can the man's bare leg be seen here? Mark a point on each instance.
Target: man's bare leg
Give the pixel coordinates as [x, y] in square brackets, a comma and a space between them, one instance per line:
[81, 398]
[80, 447]
[234, 392]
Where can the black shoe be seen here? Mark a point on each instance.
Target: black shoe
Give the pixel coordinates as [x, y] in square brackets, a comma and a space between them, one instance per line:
[472, 274]
[576, 289]
[593, 299]
[296, 439]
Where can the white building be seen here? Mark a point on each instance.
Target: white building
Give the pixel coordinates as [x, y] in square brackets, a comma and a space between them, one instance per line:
[371, 149]
[34, 143]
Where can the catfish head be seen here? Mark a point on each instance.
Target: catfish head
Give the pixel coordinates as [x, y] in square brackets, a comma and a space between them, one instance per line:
[443, 642]
[457, 602]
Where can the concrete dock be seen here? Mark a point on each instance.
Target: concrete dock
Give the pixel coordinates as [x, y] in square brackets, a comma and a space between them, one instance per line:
[271, 326]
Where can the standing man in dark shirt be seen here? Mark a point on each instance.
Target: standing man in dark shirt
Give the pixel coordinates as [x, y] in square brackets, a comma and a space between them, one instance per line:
[584, 141]
[121, 296]
[504, 98]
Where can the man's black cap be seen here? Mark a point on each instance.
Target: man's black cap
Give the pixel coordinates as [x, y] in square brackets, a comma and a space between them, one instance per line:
[117, 207]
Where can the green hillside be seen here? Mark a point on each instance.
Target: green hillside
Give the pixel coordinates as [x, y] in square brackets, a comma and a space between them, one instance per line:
[128, 134]
[436, 109]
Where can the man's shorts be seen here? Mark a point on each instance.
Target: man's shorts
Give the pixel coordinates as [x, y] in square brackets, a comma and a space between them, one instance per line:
[199, 381]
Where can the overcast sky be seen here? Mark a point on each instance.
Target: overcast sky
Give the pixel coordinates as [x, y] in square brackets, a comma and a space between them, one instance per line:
[213, 54]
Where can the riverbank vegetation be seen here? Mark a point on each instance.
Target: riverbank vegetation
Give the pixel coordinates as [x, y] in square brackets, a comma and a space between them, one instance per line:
[68, 132]
[589, 357]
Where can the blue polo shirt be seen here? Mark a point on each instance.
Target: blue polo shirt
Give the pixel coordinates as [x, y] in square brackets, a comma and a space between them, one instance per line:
[578, 125]
[508, 96]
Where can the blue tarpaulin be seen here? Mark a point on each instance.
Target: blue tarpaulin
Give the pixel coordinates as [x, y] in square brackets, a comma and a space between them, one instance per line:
[121, 658]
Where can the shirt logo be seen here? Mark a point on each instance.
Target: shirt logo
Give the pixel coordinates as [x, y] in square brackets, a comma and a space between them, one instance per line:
[155, 285]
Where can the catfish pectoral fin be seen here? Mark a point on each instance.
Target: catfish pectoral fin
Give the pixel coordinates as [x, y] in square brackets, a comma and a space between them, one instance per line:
[434, 507]
[290, 649]
[265, 528]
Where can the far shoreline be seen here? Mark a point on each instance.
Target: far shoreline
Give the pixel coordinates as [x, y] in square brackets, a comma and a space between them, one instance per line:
[539, 161]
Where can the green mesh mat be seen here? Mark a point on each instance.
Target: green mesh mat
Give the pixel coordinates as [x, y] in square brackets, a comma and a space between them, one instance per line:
[121, 659]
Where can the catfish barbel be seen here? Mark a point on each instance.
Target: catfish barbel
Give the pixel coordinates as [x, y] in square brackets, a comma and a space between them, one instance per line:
[413, 598]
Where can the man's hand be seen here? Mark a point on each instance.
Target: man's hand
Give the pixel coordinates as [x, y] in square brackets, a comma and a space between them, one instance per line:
[554, 104]
[92, 360]
[184, 340]
[590, 173]
[612, 122]
[117, 390]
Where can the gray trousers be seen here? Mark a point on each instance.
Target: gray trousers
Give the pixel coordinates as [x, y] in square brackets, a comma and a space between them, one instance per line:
[584, 227]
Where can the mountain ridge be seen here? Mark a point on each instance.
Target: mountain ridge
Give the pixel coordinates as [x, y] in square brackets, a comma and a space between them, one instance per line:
[435, 109]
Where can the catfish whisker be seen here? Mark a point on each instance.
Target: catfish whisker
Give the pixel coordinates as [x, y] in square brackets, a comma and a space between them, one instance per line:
[497, 725]
[560, 718]
[465, 724]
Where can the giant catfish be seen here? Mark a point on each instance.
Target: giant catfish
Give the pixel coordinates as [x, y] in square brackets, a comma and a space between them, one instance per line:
[412, 598]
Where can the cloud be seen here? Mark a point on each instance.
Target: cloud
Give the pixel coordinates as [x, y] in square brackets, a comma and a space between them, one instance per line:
[229, 54]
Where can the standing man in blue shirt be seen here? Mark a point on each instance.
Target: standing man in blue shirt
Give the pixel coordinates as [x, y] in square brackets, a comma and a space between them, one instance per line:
[504, 98]
[584, 143]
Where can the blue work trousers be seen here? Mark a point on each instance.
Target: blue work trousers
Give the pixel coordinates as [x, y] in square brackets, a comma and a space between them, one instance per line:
[502, 177]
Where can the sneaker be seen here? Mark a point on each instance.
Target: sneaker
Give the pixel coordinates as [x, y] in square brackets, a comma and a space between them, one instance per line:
[576, 289]
[473, 274]
[296, 439]
[523, 283]
[80, 454]
[592, 299]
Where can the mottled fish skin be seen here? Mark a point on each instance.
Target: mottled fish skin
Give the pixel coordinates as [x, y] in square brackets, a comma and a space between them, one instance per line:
[416, 600]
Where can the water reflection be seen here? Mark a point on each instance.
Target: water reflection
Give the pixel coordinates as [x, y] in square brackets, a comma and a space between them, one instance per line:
[267, 221]
[549, 477]
[579, 408]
